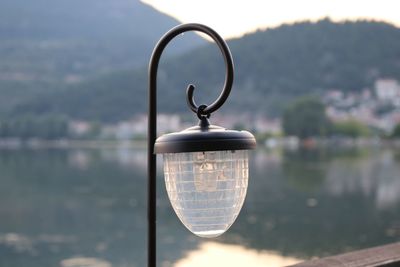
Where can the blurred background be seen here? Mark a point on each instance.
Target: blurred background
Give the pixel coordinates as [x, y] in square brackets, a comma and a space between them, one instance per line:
[317, 82]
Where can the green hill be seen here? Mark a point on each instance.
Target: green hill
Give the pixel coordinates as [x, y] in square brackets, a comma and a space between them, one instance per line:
[46, 44]
[272, 66]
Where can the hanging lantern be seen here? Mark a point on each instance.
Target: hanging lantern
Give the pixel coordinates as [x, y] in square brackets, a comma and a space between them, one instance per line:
[206, 175]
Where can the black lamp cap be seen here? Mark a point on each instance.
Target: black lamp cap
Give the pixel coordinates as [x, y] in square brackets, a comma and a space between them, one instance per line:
[204, 137]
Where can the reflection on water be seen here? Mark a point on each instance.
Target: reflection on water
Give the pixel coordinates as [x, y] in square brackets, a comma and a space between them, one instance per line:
[376, 176]
[86, 262]
[87, 207]
[216, 254]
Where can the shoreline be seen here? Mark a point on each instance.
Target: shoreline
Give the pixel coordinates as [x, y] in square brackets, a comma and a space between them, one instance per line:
[270, 143]
[69, 144]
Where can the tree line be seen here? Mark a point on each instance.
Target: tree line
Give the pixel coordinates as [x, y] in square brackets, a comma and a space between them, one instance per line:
[30, 126]
[305, 117]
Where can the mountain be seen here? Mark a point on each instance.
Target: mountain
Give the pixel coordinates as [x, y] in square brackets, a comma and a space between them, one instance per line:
[272, 66]
[46, 44]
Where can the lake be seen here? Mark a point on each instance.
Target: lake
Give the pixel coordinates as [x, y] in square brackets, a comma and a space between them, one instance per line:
[87, 207]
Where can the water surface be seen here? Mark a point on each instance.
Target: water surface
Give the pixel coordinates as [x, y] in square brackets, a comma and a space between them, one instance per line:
[74, 207]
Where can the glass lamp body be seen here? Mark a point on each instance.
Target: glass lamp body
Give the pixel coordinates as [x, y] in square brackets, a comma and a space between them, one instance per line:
[207, 189]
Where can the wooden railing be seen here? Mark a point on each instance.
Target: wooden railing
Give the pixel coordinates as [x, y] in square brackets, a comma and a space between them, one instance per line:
[387, 256]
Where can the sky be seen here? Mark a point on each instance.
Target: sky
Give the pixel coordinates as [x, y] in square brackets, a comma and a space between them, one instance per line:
[234, 18]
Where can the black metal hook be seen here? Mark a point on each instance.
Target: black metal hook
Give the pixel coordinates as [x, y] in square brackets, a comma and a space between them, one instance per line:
[152, 121]
[190, 89]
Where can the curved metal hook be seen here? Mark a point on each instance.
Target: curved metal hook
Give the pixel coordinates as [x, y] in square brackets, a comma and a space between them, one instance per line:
[190, 89]
[152, 121]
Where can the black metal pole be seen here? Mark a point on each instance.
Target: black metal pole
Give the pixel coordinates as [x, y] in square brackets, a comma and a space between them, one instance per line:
[152, 120]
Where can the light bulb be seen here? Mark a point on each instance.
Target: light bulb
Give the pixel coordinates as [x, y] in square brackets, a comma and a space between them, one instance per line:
[207, 189]
[205, 170]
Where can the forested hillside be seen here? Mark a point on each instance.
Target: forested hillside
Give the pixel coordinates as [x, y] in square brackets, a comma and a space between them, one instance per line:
[47, 44]
[272, 66]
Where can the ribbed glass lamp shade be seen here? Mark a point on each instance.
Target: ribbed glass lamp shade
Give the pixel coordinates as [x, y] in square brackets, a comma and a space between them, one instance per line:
[207, 189]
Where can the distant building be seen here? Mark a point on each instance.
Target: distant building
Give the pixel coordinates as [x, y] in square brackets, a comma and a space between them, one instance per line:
[79, 127]
[265, 125]
[387, 89]
[333, 95]
[125, 130]
[168, 123]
